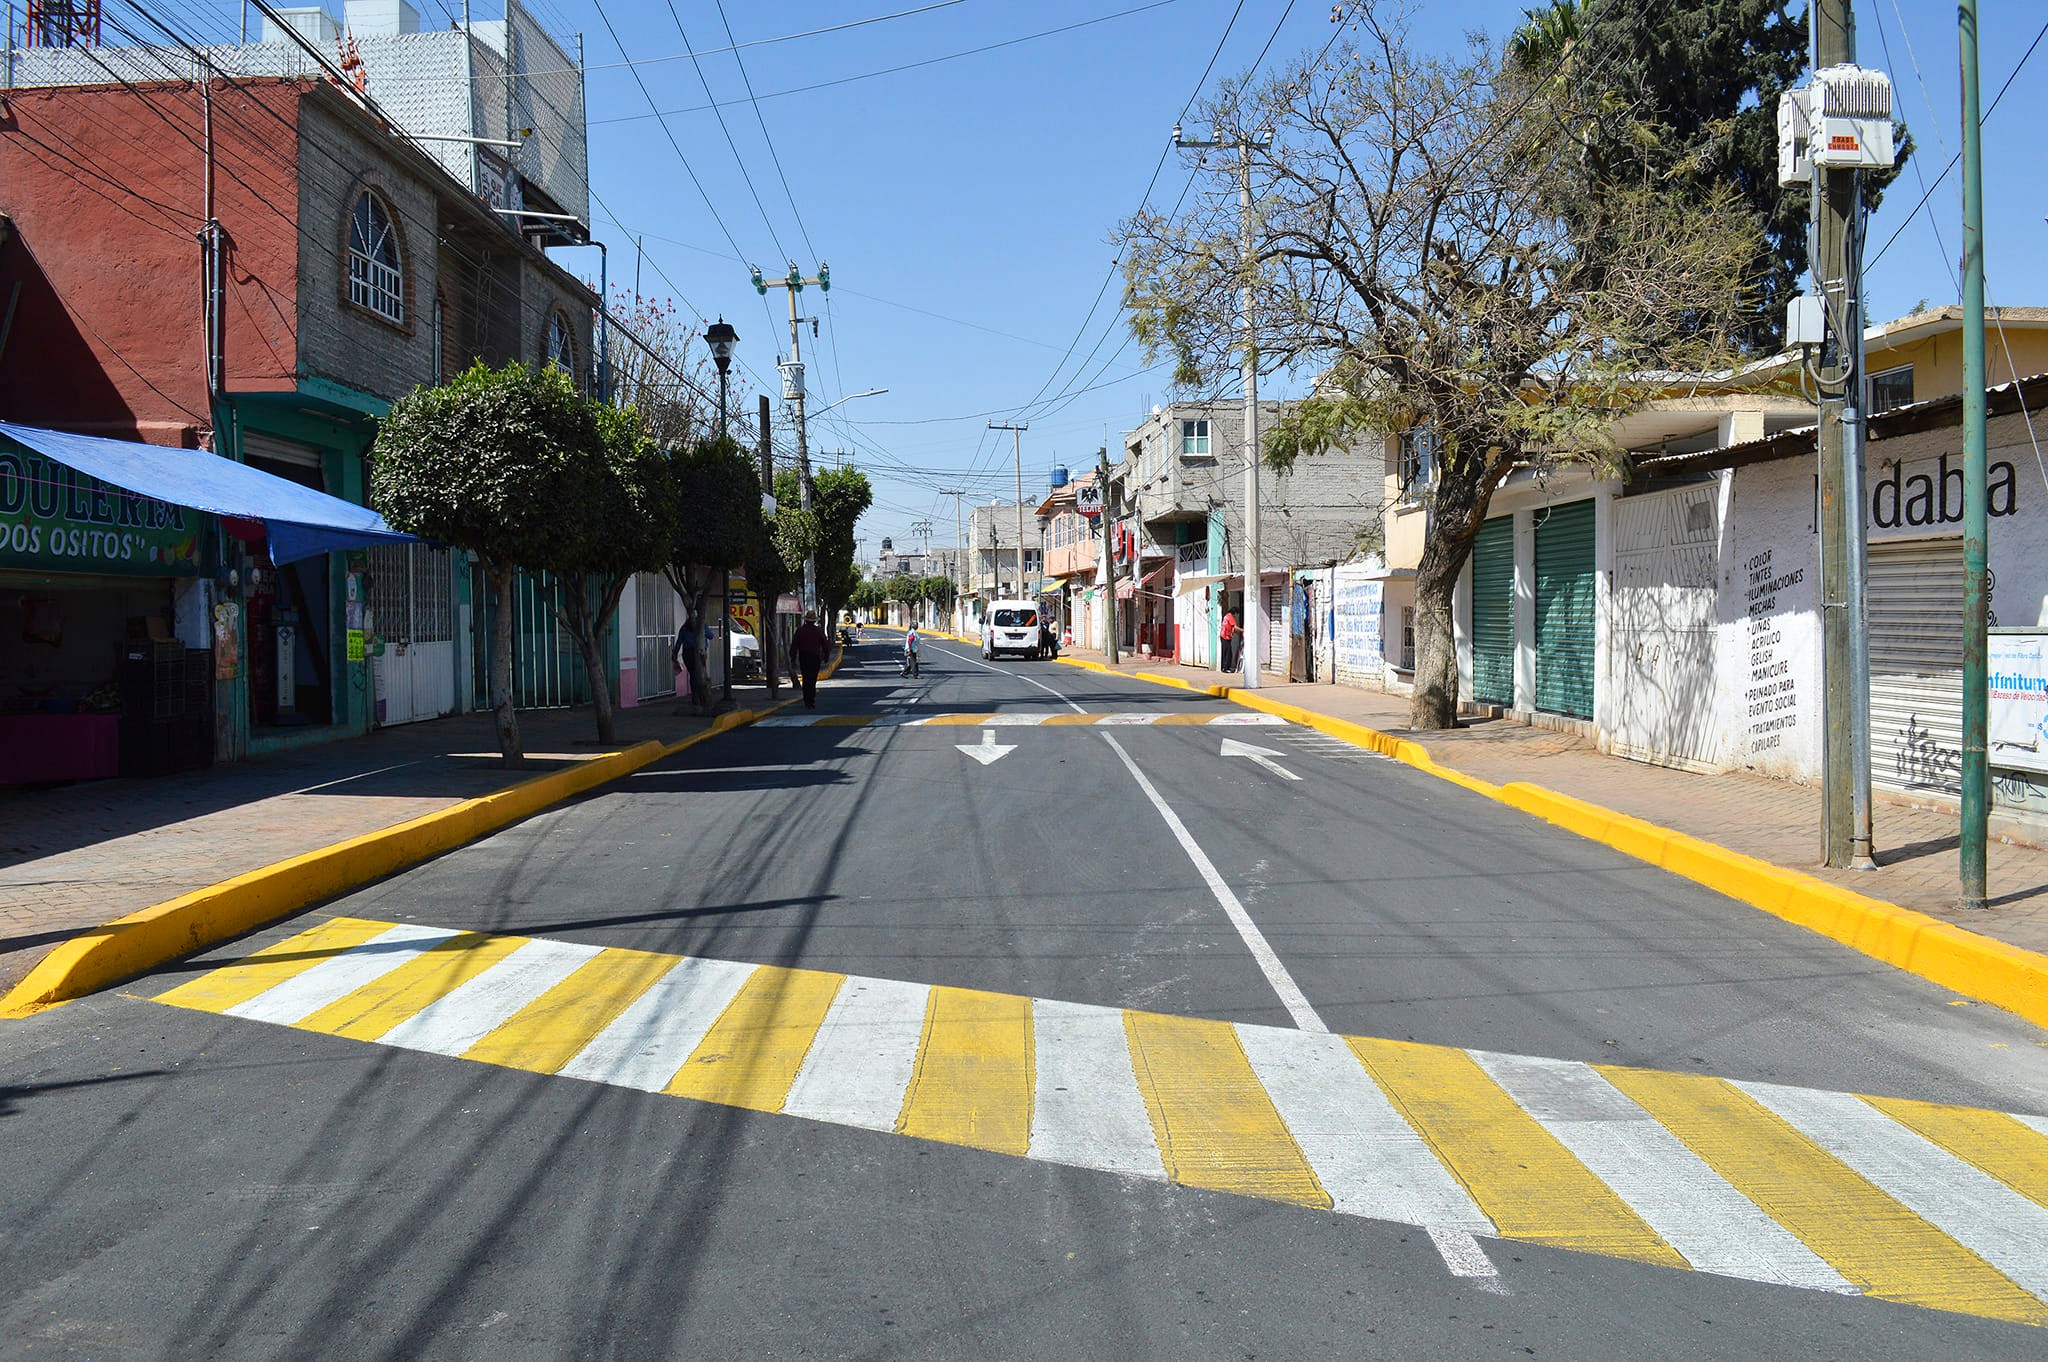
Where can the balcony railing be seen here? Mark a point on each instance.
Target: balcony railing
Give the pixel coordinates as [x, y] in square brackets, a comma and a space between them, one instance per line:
[1192, 557]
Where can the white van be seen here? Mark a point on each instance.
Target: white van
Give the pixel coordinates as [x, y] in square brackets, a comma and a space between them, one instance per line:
[1011, 627]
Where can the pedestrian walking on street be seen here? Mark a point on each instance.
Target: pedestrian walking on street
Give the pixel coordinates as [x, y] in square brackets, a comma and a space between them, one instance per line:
[910, 642]
[808, 643]
[1228, 633]
[686, 655]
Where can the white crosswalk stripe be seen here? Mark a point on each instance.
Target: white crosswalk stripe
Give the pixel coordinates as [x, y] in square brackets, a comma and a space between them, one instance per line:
[1086, 1109]
[2005, 1229]
[649, 1041]
[459, 1019]
[300, 997]
[1715, 1227]
[860, 1066]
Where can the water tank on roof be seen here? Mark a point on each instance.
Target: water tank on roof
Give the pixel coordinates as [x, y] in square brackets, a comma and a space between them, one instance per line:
[1059, 476]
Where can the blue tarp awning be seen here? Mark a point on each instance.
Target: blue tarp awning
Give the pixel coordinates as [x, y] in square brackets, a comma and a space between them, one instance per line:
[300, 522]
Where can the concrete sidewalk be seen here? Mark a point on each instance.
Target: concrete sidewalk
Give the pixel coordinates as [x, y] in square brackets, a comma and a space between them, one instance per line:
[77, 857]
[1772, 820]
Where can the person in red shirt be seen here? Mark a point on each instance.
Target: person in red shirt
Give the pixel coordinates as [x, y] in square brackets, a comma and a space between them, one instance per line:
[1229, 635]
[808, 643]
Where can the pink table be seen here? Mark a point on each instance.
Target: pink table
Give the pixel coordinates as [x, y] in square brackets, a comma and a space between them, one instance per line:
[59, 747]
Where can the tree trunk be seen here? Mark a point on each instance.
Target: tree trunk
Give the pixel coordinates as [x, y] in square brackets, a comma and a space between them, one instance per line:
[503, 578]
[588, 628]
[1435, 701]
[767, 642]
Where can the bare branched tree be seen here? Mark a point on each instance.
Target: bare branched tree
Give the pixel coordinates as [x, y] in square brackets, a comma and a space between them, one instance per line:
[1428, 247]
[659, 369]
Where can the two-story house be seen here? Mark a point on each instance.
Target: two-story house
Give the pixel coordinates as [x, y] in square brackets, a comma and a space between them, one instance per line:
[351, 269]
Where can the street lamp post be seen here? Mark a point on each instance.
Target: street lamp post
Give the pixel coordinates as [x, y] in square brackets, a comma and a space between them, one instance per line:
[721, 337]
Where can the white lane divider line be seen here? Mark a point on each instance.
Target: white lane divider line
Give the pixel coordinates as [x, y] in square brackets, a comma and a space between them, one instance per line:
[1691, 1207]
[860, 1065]
[296, 999]
[1291, 997]
[1086, 1109]
[1463, 1256]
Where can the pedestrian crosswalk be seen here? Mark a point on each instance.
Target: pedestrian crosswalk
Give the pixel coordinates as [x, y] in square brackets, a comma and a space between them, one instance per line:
[1025, 718]
[1910, 1201]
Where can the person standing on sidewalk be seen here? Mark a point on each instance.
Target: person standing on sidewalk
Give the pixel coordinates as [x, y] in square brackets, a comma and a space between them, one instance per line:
[808, 643]
[685, 655]
[1228, 633]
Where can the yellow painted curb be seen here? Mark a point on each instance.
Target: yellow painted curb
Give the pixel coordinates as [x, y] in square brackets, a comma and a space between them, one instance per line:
[1975, 966]
[143, 940]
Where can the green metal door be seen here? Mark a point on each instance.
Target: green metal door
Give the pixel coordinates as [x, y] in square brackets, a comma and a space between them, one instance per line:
[1564, 610]
[1493, 612]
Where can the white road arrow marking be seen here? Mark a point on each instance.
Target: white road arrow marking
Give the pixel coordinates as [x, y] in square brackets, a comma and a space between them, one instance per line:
[990, 750]
[1262, 755]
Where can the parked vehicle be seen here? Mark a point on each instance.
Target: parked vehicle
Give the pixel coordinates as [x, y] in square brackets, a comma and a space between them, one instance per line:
[1012, 627]
[746, 653]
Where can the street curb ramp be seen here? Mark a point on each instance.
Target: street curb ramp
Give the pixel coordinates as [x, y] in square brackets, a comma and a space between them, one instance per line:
[1975, 966]
[142, 941]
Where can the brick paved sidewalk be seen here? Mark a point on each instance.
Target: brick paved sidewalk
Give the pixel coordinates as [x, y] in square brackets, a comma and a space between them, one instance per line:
[1773, 820]
[73, 857]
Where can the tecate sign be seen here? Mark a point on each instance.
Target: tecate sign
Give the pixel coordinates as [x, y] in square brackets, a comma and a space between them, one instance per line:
[1088, 499]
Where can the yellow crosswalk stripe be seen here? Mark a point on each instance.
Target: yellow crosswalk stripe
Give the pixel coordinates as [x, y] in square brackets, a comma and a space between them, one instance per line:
[1873, 1241]
[954, 720]
[1518, 1172]
[553, 1029]
[1197, 718]
[752, 1053]
[2015, 1154]
[383, 1003]
[220, 989]
[1214, 1123]
[974, 1075]
[844, 721]
[1059, 719]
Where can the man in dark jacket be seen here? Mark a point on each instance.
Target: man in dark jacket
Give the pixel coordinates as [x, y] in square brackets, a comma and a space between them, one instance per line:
[808, 643]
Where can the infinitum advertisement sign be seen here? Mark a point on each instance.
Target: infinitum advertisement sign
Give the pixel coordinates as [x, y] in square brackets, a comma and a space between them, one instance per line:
[2019, 699]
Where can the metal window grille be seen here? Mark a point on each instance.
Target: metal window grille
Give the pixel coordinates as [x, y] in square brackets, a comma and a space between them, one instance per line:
[655, 633]
[1418, 458]
[375, 279]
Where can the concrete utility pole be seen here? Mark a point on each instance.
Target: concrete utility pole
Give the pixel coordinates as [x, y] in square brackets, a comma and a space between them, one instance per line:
[793, 392]
[1845, 648]
[1017, 451]
[1254, 631]
[1108, 557]
[1976, 772]
[959, 591]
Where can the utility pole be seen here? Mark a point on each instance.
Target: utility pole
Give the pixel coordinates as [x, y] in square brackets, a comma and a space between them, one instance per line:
[1845, 669]
[956, 493]
[793, 392]
[1254, 631]
[1976, 603]
[766, 623]
[1108, 556]
[1017, 452]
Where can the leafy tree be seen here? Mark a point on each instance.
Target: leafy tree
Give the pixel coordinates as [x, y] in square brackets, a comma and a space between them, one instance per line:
[1683, 97]
[839, 497]
[1428, 247]
[622, 519]
[775, 562]
[496, 462]
[716, 527]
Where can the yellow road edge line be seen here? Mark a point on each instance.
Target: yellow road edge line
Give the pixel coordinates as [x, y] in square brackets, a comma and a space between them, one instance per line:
[975, 1074]
[1521, 1175]
[751, 1054]
[1881, 1247]
[1215, 1125]
[227, 985]
[141, 941]
[1990, 1141]
[555, 1027]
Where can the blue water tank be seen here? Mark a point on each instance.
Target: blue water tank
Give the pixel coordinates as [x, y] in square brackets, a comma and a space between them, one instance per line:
[1059, 476]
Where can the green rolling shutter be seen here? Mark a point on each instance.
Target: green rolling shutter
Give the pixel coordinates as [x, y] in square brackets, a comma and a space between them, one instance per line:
[1493, 612]
[1564, 610]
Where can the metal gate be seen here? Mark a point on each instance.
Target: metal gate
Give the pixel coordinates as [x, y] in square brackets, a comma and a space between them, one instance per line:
[547, 669]
[1915, 591]
[412, 611]
[1667, 552]
[1275, 658]
[1493, 612]
[654, 634]
[1566, 616]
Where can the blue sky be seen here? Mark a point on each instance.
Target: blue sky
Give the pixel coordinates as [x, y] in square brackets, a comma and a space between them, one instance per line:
[966, 205]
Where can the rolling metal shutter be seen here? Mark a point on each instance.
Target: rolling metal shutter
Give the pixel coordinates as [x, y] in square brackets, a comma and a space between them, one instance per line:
[1565, 614]
[1915, 591]
[1493, 612]
[1275, 659]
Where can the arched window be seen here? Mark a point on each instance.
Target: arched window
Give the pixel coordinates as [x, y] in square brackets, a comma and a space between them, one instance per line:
[560, 343]
[376, 277]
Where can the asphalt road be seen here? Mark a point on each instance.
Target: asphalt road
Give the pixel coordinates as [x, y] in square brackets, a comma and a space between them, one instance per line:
[394, 1178]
